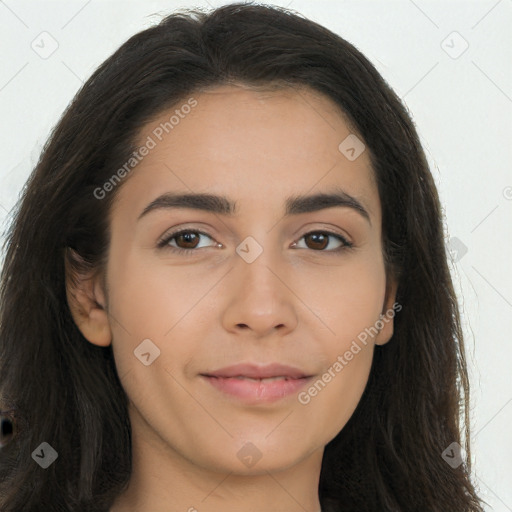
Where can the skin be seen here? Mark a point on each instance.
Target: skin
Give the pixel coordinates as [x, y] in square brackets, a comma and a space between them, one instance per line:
[299, 305]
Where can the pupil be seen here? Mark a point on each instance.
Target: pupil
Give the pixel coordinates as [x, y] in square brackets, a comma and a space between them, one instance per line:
[317, 236]
[187, 237]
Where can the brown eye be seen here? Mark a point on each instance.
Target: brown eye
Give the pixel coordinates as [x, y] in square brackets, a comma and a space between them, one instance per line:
[188, 238]
[183, 241]
[317, 240]
[320, 240]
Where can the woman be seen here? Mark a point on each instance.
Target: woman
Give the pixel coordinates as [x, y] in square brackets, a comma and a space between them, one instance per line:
[307, 356]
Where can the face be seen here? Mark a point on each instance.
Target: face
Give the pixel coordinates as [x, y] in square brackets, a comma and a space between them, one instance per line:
[237, 330]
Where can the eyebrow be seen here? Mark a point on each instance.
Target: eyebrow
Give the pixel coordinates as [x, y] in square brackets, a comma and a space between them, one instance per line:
[222, 205]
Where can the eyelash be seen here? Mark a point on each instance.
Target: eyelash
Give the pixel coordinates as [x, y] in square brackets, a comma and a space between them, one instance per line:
[164, 243]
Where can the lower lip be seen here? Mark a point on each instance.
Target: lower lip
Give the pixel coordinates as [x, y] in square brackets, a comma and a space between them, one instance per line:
[263, 391]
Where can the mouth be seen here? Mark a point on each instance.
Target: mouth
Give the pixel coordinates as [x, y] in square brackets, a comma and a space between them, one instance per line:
[266, 379]
[258, 384]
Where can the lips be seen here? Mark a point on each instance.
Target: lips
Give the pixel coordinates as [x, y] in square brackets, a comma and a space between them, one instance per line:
[270, 371]
[254, 384]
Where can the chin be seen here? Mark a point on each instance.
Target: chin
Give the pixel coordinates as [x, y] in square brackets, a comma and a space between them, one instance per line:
[248, 458]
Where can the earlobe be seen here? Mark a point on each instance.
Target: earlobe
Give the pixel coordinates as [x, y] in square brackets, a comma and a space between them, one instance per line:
[386, 322]
[86, 300]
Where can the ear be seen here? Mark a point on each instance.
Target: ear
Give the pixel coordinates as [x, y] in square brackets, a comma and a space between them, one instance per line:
[389, 310]
[86, 300]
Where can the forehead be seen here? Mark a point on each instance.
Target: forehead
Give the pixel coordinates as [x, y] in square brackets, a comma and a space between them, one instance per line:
[241, 118]
[254, 145]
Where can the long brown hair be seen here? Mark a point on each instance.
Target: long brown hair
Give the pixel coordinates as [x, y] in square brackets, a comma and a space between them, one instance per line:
[65, 391]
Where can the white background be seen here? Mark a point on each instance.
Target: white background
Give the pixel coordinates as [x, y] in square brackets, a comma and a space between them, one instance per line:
[461, 104]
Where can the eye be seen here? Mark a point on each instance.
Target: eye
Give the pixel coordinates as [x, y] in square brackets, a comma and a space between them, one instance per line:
[188, 237]
[319, 240]
[315, 240]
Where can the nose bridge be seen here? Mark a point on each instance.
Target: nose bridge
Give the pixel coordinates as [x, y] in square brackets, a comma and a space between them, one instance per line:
[259, 299]
[256, 267]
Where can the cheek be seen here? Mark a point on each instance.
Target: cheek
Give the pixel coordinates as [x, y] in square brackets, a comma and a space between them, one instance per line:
[147, 297]
[332, 398]
[143, 306]
[346, 299]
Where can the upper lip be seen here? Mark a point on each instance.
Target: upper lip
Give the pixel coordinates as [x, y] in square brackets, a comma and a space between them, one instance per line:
[258, 372]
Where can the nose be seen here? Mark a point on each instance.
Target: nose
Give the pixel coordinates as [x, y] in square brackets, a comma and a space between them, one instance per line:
[259, 298]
